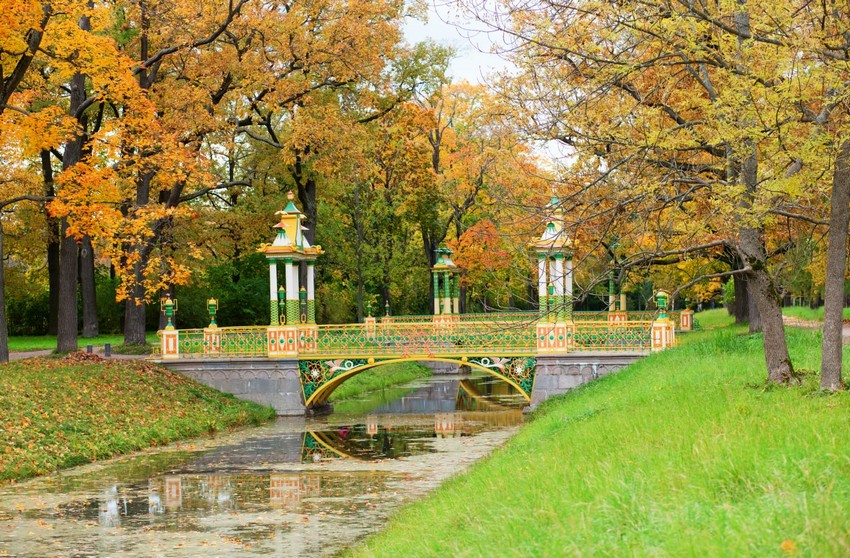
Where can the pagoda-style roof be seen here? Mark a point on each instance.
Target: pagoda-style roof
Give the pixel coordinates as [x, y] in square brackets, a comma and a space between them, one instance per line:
[554, 238]
[290, 241]
[444, 261]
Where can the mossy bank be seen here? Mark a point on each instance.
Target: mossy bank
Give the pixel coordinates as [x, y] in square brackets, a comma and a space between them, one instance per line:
[59, 413]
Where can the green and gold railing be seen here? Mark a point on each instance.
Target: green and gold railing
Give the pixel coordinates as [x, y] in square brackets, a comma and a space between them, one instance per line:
[499, 317]
[424, 338]
[599, 336]
[398, 338]
[232, 342]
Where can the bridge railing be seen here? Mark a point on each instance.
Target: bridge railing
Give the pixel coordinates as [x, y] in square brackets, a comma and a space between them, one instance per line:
[600, 336]
[423, 338]
[500, 317]
[503, 337]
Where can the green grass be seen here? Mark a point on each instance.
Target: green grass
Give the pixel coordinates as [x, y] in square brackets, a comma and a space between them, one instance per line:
[712, 319]
[380, 378]
[48, 342]
[811, 314]
[59, 413]
[686, 453]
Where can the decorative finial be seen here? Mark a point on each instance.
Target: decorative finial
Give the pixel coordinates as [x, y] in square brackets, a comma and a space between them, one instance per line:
[290, 195]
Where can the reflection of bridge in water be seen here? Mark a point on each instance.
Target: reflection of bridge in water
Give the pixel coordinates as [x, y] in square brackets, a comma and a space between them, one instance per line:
[294, 364]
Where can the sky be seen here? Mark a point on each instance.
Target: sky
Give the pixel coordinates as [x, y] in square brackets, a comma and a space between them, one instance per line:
[472, 60]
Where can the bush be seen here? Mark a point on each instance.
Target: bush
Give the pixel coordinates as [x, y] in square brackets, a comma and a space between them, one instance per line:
[28, 314]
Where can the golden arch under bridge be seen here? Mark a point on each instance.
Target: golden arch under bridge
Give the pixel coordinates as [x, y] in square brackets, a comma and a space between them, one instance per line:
[320, 377]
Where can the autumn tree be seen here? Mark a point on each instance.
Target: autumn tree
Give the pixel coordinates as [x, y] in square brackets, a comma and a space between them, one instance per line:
[692, 111]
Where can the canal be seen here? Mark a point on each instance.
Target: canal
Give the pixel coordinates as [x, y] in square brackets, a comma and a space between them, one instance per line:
[296, 487]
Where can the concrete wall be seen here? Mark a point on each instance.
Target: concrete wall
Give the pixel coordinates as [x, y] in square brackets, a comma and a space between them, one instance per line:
[558, 374]
[265, 381]
[275, 382]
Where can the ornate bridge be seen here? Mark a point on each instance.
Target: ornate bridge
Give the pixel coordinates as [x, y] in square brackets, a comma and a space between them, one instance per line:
[264, 363]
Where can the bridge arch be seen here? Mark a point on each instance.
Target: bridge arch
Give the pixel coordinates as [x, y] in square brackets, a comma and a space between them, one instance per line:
[319, 378]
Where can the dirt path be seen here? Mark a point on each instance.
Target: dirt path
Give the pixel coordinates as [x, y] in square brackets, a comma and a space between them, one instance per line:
[811, 324]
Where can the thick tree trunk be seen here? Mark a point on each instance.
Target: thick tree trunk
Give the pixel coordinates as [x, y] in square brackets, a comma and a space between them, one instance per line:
[753, 315]
[52, 246]
[4, 326]
[741, 306]
[134, 315]
[66, 330]
[66, 333]
[87, 289]
[760, 284]
[836, 265]
[779, 367]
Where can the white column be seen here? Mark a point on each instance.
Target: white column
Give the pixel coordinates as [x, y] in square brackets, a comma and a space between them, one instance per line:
[541, 277]
[291, 281]
[558, 278]
[273, 281]
[274, 308]
[311, 278]
[568, 279]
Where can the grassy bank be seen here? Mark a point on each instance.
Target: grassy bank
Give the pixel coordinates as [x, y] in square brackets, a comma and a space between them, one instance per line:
[379, 378]
[686, 453]
[63, 412]
[48, 342]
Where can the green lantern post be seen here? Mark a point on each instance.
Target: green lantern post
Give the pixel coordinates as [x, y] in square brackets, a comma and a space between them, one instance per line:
[662, 299]
[281, 305]
[212, 307]
[170, 308]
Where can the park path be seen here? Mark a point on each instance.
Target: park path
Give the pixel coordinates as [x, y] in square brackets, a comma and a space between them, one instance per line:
[811, 324]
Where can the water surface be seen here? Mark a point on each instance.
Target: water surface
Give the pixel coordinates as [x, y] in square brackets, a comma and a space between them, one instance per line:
[296, 487]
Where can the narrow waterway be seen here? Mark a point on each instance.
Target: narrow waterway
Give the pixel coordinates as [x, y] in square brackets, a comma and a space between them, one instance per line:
[297, 487]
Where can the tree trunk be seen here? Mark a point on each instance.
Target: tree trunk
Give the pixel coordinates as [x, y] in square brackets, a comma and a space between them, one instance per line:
[66, 333]
[741, 306]
[753, 316]
[87, 289]
[4, 326]
[52, 246]
[134, 315]
[836, 253]
[760, 284]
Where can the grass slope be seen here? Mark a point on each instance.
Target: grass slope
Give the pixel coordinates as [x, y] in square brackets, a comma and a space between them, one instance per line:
[685, 453]
[63, 412]
[379, 378]
[48, 342]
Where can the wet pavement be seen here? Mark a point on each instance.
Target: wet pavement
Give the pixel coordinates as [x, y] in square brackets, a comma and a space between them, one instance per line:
[297, 487]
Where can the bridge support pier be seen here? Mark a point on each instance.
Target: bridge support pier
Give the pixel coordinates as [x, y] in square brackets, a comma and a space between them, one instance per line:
[272, 382]
[557, 374]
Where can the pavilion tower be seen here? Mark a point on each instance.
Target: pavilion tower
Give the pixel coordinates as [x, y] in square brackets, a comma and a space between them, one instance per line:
[290, 248]
[554, 281]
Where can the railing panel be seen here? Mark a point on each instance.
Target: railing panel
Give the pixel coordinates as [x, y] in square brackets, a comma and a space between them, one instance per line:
[629, 336]
[424, 338]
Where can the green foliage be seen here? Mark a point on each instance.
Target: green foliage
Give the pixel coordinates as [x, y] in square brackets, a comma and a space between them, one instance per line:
[110, 314]
[28, 313]
[240, 286]
[63, 412]
[380, 378]
[729, 292]
[682, 454]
